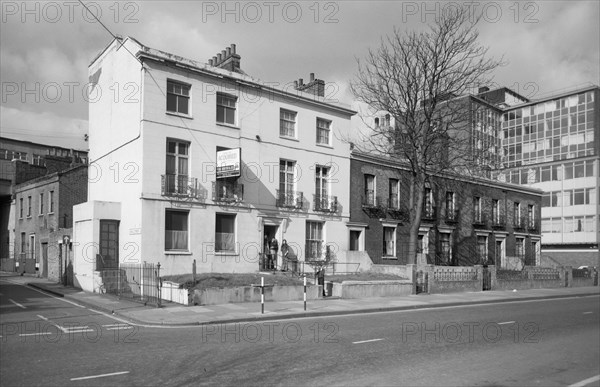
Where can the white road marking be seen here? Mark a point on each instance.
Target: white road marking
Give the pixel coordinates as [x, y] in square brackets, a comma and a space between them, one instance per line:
[36, 334]
[17, 304]
[506, 322]
[586, 381]
[588, 312]
[100, 376]
[366, 341]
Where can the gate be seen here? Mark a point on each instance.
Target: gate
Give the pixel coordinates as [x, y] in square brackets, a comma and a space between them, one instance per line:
[136, 282]
[487, 278]
[422, 278]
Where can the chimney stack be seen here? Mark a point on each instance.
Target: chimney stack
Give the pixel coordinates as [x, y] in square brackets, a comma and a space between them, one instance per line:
[227, 59]
[315, 86]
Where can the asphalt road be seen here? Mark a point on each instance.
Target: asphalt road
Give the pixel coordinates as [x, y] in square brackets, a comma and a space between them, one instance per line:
[51, 342]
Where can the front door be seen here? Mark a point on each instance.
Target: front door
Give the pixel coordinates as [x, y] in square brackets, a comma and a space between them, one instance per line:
[45, 260]
[269, 232]
[109, 245]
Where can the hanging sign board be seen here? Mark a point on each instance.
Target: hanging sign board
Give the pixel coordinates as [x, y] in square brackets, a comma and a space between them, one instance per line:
[228, 163]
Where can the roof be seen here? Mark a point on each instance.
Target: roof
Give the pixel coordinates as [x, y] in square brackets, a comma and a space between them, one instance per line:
[390, 162]
[147, 53]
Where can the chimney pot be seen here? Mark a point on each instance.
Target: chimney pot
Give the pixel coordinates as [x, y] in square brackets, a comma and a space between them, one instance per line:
[312, 77]
[295, 84]
[228, 52]
[233, 48]
[223, 54]
[301, 82]
[210, 62]
[218, 58]
[214, 59]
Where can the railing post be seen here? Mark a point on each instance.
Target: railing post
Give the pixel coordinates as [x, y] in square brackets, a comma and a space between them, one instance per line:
[158, 282]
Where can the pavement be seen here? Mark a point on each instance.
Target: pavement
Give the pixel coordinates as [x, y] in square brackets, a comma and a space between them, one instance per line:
[180, 315]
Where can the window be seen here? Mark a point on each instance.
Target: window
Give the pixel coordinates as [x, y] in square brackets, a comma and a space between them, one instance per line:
[369, 198]
[450, 205]
[177, 167]
[394, 191]
[286, 181]
[314, 240]
[428, 203]
[287, 123]
[176, 230]
[178, 97]
[531, 216]
[355, 240]
[321, 181]
[482, 248]
[28, 206]
[225, 233]
[226, 109]
[322, 200]
[51, 202]
[323, 129]
[496, 211]
[32, 254]
[445, 256]
[477, 216]
[23, 245]
[389, 242]
[41, 203]
[520, 248]
[20, 208]
[517, 214]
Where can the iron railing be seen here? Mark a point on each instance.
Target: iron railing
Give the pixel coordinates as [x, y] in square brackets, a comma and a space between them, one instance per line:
[290, 199]
[179, 186]
[134, 281]
[227, 191]
[325, 203]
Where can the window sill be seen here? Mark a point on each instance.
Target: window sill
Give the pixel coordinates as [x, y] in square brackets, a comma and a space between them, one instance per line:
[288, 138]
[182, 115]
[177, 252]
[325, 146]
[228, 125]
[222, 253]
[51, 213]
[385, 257]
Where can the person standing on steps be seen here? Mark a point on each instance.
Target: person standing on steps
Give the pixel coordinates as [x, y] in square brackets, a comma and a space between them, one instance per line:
[273, 249]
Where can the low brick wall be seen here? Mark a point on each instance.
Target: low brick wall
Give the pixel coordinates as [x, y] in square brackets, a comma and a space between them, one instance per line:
[451, 279]
[366, 289]
[404, 271]
[216, 296]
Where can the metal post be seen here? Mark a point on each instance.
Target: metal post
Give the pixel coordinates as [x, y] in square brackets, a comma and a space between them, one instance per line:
[304, 292]
[262, 295]
[159, 284]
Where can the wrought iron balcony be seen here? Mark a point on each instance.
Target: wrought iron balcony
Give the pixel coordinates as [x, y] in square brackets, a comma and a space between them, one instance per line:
[520, 223]
[227, 191]
[498, 222]
[396, 210]
[181, 186]
[289, 199]
[479, 219]
[428, 213]
[325, 203]
[370, 200]
[452, 215]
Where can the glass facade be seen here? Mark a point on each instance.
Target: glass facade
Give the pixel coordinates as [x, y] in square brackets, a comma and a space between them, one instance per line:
[549, 131]
[552, 146]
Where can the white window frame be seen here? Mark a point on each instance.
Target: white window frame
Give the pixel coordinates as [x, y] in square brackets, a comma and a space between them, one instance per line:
[393, 228]
[51, 202]
[361, 238]
[310, 236]
[171, 250]
[321, 129]
[286, 117]
[235, 234]
[183, 93]
[41, 203]
[227, 108]
[394, 182]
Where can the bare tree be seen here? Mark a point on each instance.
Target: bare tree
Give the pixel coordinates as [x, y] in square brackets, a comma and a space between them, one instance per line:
[418, 79]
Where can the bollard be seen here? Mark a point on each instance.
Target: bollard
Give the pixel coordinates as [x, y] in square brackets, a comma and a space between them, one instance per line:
[305, 292]
[262, 295]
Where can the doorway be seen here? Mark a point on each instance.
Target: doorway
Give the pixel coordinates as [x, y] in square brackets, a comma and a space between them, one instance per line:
[268, 262]
[109, 245]
[45, 260]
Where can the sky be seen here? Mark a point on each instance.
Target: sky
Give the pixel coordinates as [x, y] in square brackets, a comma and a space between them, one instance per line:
[46, 47]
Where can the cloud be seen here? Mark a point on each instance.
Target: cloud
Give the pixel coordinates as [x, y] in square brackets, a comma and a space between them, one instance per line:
[46, 127]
